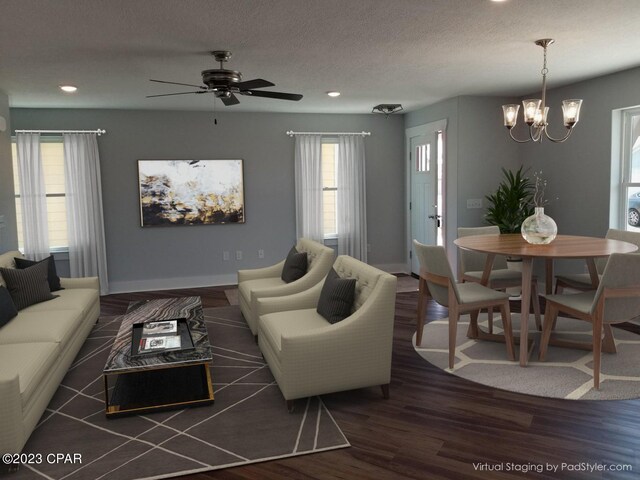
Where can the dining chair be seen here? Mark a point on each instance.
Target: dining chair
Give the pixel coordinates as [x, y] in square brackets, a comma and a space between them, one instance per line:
[471, 266]
[582, 281]
[616, 300]
[437, 281]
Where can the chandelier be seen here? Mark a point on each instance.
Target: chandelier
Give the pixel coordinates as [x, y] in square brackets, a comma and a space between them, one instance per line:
[535, 110]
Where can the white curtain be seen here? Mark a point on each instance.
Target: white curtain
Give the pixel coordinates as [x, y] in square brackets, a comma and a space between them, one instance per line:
[87, 252]
[33, 200]
[308, 182]
[352, 199]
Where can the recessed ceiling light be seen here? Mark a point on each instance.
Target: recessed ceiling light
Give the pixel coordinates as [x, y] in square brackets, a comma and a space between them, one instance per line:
[333, 94]
[68, 88]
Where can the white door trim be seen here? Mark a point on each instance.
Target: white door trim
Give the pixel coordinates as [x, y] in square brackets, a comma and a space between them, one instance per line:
[424, 129]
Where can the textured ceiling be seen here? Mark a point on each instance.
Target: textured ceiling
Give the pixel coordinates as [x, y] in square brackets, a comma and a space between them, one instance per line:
[413, 52]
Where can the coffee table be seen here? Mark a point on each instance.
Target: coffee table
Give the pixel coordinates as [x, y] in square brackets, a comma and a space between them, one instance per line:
[158, 381]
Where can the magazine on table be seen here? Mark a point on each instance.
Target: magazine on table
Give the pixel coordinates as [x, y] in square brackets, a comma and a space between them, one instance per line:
[162, 327]
[159, 343]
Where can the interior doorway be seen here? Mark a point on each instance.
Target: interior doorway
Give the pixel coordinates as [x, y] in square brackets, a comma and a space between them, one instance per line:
[426, 180]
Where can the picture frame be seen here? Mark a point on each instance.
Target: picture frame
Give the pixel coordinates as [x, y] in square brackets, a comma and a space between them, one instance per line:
[191, 192]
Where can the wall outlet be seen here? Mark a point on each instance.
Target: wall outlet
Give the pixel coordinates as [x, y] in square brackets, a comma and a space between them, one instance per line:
[474, 203]
[238, 254]
[261, 253]
[225, 256]
[368, 248]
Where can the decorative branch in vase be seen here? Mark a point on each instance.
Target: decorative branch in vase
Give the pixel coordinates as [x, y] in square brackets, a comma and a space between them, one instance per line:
[539, 228]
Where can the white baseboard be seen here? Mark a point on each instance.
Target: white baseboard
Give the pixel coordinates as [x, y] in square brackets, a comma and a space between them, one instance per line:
[129, 286]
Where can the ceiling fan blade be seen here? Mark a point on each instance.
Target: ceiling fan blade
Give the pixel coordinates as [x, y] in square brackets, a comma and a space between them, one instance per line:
[176, 83]
[180, 93]
[278, 95]
[230, 100]
[255, 83]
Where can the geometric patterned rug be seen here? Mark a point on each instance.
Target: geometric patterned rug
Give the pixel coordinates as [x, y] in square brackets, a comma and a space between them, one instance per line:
[566, 373]
[247, 423]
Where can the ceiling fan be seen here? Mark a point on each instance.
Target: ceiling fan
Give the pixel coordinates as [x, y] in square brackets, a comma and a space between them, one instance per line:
[226, 84]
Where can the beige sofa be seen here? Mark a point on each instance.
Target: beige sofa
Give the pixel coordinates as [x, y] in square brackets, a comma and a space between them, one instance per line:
[36, 349]
[309, 356]
[266, 282]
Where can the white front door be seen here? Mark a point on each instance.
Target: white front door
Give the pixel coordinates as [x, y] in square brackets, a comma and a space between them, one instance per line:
[423, 167]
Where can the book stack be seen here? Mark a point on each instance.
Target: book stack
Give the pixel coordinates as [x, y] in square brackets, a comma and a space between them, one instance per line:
[159, 336]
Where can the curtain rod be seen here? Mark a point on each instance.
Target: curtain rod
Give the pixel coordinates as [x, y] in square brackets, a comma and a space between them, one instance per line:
[364, 134]
[98, 131]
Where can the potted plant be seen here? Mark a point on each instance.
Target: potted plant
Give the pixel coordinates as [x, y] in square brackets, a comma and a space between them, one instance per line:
[512, 202]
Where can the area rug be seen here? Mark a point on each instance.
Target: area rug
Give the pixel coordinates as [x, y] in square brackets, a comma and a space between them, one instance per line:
[248, 422]
[566, 373]
[232, 296]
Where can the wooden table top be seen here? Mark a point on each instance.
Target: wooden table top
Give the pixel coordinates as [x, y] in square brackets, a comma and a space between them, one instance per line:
[563, 246]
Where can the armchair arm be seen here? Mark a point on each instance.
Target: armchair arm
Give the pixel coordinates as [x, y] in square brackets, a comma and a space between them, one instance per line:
[353, 353]
[297, 301]
[86, 282]
[11, 429]
[253, 274]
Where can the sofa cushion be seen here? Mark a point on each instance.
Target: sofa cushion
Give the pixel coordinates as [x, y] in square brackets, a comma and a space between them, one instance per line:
[52, 274]
[28, 286]
[57, 326]
[295, 266]
[32, 362]
[81, 299]
[245, 288]
[336, 297]
[7, 308]
[275, 325]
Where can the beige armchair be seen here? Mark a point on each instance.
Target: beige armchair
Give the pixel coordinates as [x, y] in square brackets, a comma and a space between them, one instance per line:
[266, 282]
[309, 356]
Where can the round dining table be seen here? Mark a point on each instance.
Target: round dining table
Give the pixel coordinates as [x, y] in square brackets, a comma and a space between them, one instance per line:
[563, 246]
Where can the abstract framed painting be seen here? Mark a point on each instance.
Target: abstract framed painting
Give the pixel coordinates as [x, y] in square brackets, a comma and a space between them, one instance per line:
[190, 192]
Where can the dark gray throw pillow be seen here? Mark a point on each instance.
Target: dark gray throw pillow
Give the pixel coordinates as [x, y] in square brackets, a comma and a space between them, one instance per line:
[336, 297]
[27, 286]
[7, 308]
[295, 266]
[52, 275]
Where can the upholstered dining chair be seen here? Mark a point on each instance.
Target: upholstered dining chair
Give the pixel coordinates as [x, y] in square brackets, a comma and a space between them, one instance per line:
[616, 300]
[437, 281]
[582, 281]
[471, 266]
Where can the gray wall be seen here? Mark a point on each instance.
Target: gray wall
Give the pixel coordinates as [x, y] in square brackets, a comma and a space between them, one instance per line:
[172, 257]
[579, 170]
[8, 232]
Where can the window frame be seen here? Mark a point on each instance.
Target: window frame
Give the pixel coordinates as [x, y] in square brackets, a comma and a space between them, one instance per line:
[626, 152]
[46, 139]
[331, 141]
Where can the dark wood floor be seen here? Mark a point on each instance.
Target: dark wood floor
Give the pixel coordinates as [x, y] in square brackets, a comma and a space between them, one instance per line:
[436, 425]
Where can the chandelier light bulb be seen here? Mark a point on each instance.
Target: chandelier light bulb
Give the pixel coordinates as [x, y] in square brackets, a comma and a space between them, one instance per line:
[510, 115]
[530, 108]
[571, 111]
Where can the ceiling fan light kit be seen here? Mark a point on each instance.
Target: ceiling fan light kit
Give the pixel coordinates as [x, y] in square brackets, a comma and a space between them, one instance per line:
[226, 84]
[387, 108]
[535, 110]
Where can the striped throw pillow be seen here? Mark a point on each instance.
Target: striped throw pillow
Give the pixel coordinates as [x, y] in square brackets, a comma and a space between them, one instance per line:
[336, 297]
[28, 286]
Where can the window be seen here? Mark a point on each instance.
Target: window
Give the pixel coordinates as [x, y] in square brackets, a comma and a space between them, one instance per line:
[52, 153]
[630, 190]
[330, 188]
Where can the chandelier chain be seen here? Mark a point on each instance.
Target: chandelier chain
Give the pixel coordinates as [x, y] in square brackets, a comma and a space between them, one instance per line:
[544, 70]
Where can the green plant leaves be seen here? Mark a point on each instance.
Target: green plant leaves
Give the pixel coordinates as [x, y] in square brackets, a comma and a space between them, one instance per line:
[511, 203]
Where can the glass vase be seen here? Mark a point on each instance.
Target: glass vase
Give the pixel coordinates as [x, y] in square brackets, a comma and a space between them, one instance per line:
[539, 228]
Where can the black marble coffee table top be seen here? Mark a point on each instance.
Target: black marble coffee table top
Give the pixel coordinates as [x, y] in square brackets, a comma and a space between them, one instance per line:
[120, 359]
